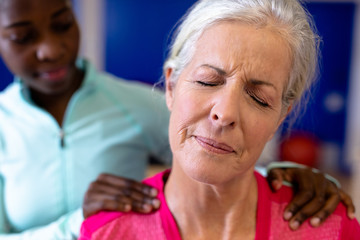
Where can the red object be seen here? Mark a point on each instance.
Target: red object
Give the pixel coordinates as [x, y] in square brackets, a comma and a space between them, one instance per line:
[300, 148]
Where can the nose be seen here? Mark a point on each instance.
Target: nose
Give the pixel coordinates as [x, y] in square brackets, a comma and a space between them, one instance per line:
[225, 111]
[49, 49]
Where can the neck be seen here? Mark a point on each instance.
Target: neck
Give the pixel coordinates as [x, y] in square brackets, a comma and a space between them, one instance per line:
[56, 104]
[204, 211]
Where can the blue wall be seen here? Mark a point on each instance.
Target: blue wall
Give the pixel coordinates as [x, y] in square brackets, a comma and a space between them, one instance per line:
[137, 36]
[5, 76]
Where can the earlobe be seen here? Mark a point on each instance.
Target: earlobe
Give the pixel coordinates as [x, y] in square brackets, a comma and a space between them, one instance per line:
[169, 88]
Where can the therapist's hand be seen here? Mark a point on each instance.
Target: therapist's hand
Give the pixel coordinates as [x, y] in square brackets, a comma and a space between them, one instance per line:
[315, 196]
[113, 193]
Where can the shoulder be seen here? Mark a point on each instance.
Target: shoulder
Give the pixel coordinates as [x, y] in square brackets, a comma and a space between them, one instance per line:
[9, 95]
[12, 103]
[143, 100]
[157, 181]
[142, 103]
[110, 83]
[337, 226]
[111, 225]
[349, 228]
[128, 89]
[95, 222]
[283, 195]
[107, 225]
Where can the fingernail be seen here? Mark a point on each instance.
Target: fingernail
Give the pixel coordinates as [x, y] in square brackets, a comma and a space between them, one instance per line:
[127, 207]
[287, 215]
[153, 192]
[294, 225]
[146, 207]
[276, 184]
[156, 203]
[315, 221]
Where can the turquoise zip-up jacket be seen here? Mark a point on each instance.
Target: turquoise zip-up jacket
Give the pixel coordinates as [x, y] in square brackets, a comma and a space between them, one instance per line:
[110, 125]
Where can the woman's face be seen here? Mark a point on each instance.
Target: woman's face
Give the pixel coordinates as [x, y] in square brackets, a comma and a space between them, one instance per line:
[227, 101]
[39, 41]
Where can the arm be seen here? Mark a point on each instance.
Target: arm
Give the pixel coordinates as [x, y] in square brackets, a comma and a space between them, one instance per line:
[3, 221]
[67, 227]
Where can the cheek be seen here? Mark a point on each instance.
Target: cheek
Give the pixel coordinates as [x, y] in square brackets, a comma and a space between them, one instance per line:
[259, 131]
[13, 62]
[16, 57]
[21, 64]
[186, 113]
[182, 115]
[73, 40]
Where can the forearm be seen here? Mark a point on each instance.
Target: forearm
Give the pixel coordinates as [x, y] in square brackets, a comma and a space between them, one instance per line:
[65, 228]
[3, 221]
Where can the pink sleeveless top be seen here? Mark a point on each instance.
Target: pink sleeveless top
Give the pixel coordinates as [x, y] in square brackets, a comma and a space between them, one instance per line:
[161, 225]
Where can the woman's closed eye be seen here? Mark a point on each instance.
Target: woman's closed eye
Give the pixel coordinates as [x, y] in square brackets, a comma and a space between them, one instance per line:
[62, 27]
[63, 22]
[207, 83]
[260, 101]
[207, 77]
[23, 37]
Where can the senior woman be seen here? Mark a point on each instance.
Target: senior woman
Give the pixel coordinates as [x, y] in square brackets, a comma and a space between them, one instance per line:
[235, 70]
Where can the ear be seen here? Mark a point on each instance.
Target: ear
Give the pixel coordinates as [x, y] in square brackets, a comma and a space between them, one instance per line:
[281, 120]
[169, 94]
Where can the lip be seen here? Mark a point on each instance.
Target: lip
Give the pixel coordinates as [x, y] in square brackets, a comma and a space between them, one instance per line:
[54, 75]
[214, 146]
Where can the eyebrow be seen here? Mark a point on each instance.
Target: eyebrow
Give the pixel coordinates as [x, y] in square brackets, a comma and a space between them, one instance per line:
[220, 71]
[26, 23]
[261, 82]
[61, 11]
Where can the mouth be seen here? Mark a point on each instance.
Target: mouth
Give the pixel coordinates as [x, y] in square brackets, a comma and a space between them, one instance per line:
[54, 75]
[213, 146]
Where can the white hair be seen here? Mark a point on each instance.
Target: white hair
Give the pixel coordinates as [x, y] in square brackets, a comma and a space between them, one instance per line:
[288, 17]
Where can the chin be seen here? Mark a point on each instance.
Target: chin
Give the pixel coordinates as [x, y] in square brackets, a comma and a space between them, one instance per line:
[59, 88]
[209, 173]
[215, 171]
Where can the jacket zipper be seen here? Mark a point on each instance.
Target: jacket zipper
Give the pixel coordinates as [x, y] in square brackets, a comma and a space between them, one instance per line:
[62, 138]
